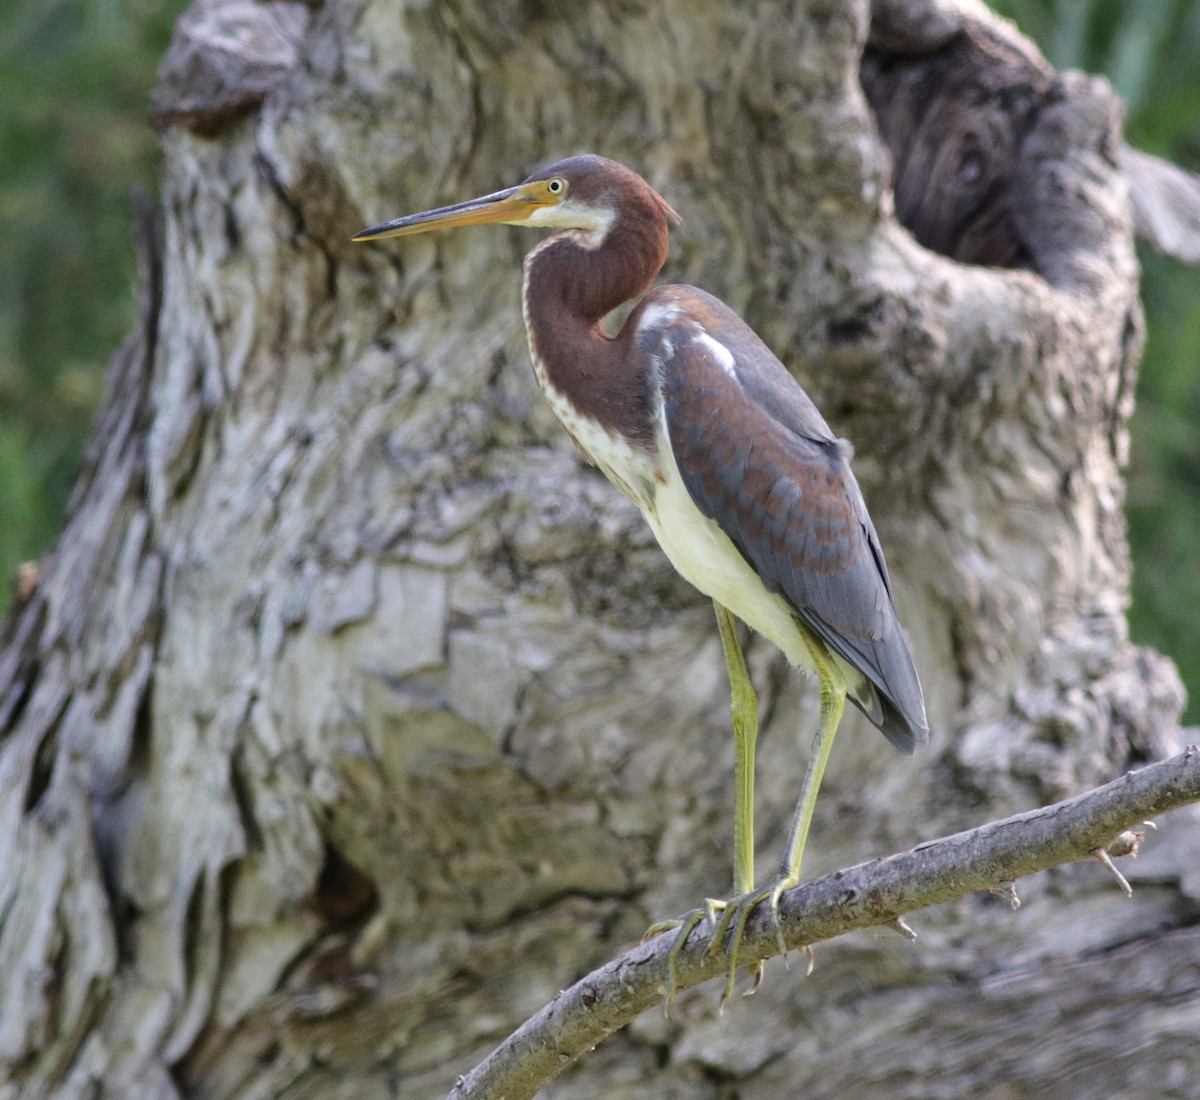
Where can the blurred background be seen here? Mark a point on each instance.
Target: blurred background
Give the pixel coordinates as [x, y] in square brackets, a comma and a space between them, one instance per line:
[75, 80]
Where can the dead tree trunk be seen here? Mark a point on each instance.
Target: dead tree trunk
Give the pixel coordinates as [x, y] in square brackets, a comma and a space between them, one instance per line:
[353, 716]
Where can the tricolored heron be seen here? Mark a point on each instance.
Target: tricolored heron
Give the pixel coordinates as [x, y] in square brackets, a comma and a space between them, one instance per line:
[745, 486]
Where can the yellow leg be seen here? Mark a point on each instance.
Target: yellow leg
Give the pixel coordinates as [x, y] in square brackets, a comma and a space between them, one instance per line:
[743, 707]
[744, 711]
[737, 910]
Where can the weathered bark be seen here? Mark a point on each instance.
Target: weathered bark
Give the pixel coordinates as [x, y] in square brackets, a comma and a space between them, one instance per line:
[1101, 823]
[353, 717]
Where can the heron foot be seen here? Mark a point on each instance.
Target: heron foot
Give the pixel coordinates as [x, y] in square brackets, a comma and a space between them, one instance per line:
[734, 914]
[684, 926]
[725, 917]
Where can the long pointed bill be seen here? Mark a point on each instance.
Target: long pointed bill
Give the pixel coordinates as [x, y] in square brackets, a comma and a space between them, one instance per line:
[513, 205]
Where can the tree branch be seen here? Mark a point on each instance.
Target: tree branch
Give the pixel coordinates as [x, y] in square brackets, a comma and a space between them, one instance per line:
[876, 893]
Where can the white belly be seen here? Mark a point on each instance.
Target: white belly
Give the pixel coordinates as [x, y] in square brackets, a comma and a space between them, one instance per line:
[704, 556]
[698, 549]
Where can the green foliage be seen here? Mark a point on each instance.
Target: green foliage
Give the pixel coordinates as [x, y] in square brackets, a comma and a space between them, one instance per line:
[1150, 50]
[75, 78]
[1164, 487]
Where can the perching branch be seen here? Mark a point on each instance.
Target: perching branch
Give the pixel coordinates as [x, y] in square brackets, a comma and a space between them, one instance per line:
[875, 893]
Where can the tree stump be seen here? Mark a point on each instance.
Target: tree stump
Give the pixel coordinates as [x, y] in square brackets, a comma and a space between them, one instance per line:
[353, 716]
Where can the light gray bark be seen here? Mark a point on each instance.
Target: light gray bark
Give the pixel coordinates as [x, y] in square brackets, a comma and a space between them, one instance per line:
[354, 717]
[1099, 824]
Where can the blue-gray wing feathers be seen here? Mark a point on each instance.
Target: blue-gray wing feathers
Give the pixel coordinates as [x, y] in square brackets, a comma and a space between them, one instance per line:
[759, 460]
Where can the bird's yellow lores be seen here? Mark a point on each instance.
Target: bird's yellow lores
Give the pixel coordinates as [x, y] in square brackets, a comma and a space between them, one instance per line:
[745, 486]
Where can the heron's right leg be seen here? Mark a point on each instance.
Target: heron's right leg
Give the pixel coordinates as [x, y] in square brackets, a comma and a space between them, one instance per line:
[743, 708]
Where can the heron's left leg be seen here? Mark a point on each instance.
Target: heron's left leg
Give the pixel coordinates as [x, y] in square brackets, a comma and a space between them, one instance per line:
[737, 911]
[744, 712]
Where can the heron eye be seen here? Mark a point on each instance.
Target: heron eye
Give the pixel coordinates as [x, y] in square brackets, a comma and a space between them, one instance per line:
[556, 186]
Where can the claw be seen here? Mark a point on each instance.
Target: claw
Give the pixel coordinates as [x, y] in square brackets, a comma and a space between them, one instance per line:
[725, 917]
[756, 972]
[735, 913]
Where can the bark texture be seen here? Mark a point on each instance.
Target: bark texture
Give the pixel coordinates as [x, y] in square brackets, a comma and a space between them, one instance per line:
[353, 716]
[877, 894]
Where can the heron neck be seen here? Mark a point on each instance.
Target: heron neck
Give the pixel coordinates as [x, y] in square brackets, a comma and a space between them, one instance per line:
[572, 274]
[568, 290]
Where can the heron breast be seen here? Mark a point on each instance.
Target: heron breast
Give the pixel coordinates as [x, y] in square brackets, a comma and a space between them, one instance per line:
[631, 469]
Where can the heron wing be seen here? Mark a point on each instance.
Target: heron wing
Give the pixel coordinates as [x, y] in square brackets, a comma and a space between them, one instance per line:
[758, 459]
